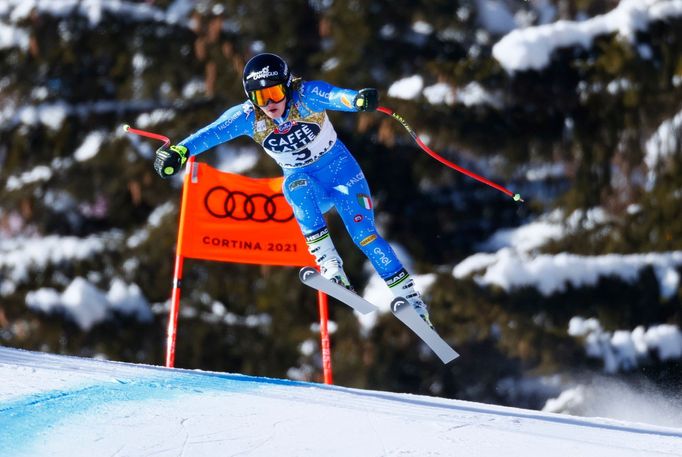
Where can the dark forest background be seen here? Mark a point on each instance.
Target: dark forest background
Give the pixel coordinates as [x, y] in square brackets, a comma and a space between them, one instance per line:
[126, 65]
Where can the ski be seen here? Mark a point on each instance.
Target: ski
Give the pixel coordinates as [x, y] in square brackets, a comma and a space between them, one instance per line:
[313, 279]
[400, 308]
[408, 316]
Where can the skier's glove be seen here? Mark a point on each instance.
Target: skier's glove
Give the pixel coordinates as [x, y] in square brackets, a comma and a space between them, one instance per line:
[366, 100]
[169, 161]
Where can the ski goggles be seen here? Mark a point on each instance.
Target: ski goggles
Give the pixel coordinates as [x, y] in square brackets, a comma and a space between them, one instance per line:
[274, 94]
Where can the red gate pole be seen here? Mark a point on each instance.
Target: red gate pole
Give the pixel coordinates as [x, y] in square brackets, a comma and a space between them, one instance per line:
[171, 333]
[322, 300]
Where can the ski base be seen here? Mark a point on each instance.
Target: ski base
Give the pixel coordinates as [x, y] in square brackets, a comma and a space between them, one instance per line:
[312, 278]
[408, 316]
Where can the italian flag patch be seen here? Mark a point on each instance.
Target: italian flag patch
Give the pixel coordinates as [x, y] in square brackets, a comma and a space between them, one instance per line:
[365, 201]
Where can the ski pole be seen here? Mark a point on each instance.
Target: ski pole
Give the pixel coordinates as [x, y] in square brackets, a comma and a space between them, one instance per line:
[155, 136]
[444, 161]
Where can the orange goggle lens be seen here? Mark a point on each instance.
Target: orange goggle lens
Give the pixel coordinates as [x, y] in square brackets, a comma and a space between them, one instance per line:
[262, 97]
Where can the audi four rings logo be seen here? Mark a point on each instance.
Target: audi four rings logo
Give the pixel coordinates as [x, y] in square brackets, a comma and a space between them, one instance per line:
[223, 203]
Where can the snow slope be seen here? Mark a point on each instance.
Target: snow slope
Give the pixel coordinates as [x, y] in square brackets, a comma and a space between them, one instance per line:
[66, 406]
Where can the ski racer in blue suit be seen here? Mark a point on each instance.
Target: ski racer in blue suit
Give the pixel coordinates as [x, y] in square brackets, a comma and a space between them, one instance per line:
[287, 117]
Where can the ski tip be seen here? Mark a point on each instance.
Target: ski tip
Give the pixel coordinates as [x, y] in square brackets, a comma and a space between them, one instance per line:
[126, 127]
[450, 358]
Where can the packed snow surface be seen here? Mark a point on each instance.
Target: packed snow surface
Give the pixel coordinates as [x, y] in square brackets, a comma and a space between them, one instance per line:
[64, 406]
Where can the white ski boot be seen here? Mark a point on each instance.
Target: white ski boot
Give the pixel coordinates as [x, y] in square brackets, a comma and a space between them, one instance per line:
[402, 285]
[332, 269]
[320, 245]
[420, 307]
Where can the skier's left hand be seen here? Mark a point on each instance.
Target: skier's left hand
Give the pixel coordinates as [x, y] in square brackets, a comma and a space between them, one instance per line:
[366, 100]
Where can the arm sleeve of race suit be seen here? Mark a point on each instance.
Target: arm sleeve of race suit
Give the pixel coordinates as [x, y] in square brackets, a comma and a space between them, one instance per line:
[236, 121]
[320, 96]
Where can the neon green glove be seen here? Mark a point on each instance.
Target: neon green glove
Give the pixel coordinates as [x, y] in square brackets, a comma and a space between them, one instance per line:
[170, 161]
[366, 100]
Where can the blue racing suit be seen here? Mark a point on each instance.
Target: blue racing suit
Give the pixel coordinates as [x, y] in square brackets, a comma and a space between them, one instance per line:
[319, 170]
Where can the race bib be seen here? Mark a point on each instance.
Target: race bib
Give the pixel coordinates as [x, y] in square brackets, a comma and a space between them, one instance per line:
[298, 143]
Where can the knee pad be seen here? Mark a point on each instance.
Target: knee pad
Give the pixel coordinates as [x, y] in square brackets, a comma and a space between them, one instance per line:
[303, 194]
[297, 186]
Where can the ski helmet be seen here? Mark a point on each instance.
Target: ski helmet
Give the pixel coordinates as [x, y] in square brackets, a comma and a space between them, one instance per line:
[265, 70]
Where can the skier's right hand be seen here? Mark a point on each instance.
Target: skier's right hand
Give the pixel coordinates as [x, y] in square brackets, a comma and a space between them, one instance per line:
[170, 160]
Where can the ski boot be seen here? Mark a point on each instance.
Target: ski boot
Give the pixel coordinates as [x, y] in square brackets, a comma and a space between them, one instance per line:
[320, 245]
[402, 285]
[332, 270]
[420, 307]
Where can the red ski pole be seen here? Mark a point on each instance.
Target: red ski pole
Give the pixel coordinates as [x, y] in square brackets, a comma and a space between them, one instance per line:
[443, 160]
[171, 332]
[155, 136]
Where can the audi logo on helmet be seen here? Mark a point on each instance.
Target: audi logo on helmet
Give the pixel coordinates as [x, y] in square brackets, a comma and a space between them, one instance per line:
[223, 203]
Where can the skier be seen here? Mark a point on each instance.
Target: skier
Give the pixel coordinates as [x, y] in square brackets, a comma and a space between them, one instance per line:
[286, 116]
